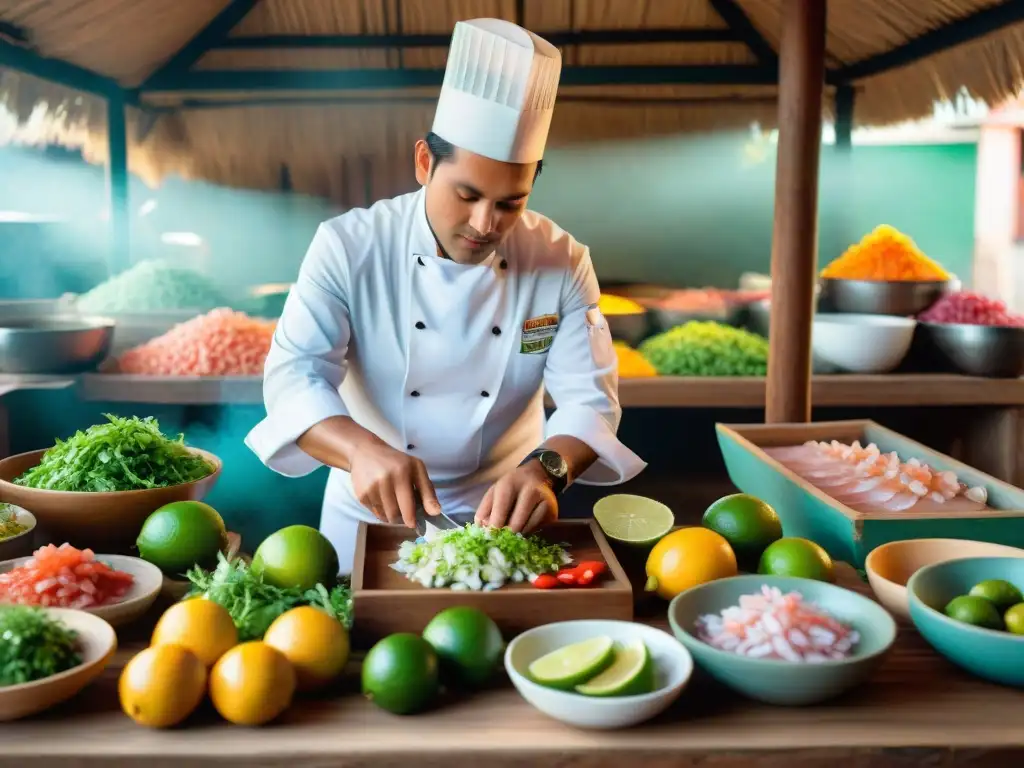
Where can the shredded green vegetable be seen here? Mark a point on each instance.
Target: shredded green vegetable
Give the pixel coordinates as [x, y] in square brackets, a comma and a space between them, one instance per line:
[34, 646]
[125, 454]
[9, 525]
[254, 605]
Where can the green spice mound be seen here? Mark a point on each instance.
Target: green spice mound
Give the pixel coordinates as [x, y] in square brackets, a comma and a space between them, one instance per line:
[707, 349]
[34, 646]
[254, 605]
[153, 286]
[125, 454]
[9, 525]
[477, 558]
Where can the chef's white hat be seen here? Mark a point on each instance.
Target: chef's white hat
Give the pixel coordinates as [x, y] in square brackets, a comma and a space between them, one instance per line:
[499, 91]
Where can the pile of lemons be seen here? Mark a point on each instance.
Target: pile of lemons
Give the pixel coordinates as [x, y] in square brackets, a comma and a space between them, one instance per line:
[194, 651]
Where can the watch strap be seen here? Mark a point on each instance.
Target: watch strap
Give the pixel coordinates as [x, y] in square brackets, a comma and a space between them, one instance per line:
[558, 482]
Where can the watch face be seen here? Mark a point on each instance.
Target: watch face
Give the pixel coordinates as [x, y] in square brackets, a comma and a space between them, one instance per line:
[554, 463]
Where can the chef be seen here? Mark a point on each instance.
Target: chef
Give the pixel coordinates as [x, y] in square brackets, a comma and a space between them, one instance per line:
[414, 348]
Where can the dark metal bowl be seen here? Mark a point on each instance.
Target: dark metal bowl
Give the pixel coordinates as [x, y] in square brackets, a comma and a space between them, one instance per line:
[976, 350]
[883, 297]
[631, 328]
[54, 345]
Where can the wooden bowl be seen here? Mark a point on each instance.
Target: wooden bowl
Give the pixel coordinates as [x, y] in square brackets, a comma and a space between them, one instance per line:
[136, 601]
[109, 521]
[175, 589]
[21, 544]
[98, 642]
[890, 566]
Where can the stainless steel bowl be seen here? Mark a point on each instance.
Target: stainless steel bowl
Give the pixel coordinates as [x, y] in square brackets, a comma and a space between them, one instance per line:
[54, 345]
[883, 297]
[976, 350]
[631, 328]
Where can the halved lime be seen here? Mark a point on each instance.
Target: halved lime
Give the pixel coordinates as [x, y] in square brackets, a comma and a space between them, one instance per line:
[631, 673]
[573, 664]
[633, 519]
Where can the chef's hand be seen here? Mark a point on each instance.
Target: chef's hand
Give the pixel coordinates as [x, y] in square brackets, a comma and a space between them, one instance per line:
[521, 500]
[387, 482]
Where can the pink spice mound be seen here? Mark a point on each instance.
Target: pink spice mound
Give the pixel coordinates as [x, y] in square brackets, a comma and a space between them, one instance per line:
[784, 627]
[972, 309]
[219, 343]
[868, 480]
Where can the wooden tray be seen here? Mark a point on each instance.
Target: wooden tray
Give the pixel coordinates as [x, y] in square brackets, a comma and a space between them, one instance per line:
[384, 601]
[846, 533]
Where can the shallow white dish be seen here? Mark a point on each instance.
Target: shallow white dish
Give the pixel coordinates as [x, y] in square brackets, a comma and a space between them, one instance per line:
[673, 668]
[21, 544]
[862, 343]
[136, 601]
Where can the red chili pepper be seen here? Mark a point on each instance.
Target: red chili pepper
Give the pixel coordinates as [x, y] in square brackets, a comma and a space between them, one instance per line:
[567, 576]
[545, 581]
[587, 572]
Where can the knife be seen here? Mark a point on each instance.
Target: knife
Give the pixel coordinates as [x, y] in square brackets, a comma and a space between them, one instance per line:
[441, 521]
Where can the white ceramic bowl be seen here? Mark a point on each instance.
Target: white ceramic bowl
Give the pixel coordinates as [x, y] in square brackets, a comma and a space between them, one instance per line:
[21, 544]
[136, 601]
[673, 667]
[862, 343]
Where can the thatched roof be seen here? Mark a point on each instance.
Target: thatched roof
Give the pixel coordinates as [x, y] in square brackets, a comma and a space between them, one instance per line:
[232, 90]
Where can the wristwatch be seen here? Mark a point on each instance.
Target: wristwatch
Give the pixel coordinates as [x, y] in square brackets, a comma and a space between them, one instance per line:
[555, 467]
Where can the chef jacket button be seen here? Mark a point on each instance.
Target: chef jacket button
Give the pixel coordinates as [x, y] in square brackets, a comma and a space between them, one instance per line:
[419, 260]
[420, 325]
[415, 393]
[485, 393]
[503, 264]
[410, 447]
[496, 331]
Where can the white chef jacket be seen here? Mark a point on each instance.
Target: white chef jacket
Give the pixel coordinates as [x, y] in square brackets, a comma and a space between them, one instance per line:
[445, 361]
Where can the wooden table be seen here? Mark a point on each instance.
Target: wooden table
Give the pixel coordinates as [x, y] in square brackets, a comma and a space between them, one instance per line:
[918, 710]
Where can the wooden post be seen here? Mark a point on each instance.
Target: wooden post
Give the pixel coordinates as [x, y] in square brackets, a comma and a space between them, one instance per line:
[117, 185]
[795, 235]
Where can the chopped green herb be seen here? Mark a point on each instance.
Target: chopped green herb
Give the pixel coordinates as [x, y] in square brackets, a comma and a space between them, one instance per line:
[125, 454]
[9, 525]
[254, 605]
[34, 646]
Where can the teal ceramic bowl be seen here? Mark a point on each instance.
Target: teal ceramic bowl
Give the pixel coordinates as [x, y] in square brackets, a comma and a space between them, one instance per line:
[783, 682]
[989, 654]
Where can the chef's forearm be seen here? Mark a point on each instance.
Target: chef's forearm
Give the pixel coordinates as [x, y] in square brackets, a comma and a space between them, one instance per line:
[335, 441]
[577, 454]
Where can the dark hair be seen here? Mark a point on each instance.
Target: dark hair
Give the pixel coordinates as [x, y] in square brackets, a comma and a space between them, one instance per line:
[442, 150]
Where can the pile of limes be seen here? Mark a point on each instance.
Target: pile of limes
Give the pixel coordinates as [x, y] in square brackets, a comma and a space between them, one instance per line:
[992, 604]
[194, 650]
[738, 532]
[404, 672]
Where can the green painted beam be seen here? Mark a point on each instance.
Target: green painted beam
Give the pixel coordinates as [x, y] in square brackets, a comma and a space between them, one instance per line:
[965, 30]
[844, 103]
[26, 60]
[209, 36]
[738, 21]
[117, 185]
[385, 79]
[559, 39]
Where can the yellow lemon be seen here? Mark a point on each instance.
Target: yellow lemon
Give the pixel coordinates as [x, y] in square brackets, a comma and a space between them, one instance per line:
[252, 684]
[688, 557]
[162, 685]
[202, 626]
[316, 644]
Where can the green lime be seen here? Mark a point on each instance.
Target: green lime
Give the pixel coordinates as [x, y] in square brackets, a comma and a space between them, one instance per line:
[468, 644]
[747, 523]
[801, 558]
[180, 535]
[631, 674]
[976, 611]
[1014, 619]
[633, 519]
[400, 674]
[573, 664]
[296, 556]
[1002, 594]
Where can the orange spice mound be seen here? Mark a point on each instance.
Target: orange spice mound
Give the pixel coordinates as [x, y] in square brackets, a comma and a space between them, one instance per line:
[632, 365]
[219, 343]
[884, 254]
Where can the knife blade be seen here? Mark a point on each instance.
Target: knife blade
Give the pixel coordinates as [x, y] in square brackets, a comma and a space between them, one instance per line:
[441, 521]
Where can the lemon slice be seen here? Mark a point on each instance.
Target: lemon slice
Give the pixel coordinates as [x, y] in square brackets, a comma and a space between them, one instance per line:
[633, 519]
[630, 674]
[573, 664]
